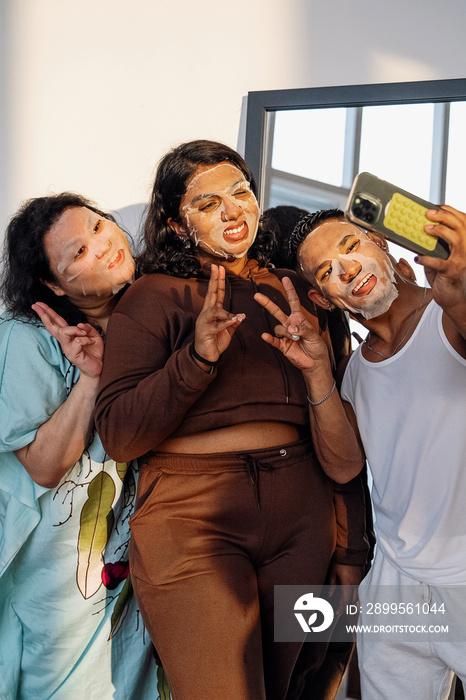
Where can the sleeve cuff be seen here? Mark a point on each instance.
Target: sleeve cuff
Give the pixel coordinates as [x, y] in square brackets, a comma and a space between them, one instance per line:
[350, 557]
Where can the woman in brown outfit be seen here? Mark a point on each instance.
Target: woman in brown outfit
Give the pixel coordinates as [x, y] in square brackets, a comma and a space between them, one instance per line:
[232, 499]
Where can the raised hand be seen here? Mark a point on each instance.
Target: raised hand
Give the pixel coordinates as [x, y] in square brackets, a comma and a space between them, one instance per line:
[81, 344]
[295, 336]
[348, 578]
[447, 277]
[215, 326]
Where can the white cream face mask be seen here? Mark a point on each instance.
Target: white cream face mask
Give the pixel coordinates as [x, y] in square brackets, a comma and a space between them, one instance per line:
[219, 211]
[358, 277]
[91, 254]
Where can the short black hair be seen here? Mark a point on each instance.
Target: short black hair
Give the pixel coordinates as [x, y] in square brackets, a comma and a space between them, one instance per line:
[304, 227]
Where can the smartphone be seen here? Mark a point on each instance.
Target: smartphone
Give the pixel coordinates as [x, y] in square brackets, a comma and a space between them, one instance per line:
[398, 215]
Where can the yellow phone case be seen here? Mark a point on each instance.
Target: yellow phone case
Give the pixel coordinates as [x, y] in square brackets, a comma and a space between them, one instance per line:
[378, 205]
[407, 218]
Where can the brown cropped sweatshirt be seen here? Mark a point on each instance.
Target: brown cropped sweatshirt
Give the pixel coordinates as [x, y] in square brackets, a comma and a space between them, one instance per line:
[152, 388]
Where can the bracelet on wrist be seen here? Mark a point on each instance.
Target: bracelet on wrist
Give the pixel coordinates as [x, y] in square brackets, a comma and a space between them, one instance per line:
[196, 356]
[316, 403]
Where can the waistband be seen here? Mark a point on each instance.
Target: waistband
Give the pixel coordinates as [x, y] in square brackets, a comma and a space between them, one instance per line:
[274, 457]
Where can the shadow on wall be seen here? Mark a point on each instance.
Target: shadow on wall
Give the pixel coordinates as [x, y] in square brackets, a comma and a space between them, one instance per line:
[5, 114]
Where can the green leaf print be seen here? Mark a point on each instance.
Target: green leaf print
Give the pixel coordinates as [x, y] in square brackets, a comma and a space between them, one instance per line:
[95, 527]
[122, 468]
[121, 607]
[162, 684]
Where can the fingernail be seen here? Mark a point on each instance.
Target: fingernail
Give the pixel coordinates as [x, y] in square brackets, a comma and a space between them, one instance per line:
[295, 337]
[416, 258]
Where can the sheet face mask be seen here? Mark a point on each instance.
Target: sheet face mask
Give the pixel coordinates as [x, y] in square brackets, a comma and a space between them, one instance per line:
[91, 254]
[220, 212]
[370, 262]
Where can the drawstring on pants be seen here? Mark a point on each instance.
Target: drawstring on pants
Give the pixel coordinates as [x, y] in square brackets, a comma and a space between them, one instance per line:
[253, 467]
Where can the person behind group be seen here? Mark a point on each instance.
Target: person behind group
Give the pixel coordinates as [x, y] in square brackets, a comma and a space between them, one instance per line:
[69, 626]
[281, 220]
[307, 682]
[406, 386]
[231, 498]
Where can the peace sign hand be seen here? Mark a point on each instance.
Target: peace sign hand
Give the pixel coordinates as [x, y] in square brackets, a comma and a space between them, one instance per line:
[295, 336]
[215, 326]
[81, 344]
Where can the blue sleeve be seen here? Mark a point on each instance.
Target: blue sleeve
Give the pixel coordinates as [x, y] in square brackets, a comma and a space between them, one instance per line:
[33, 381]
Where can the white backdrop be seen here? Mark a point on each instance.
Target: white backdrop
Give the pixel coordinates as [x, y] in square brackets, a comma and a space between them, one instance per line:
[93, 92]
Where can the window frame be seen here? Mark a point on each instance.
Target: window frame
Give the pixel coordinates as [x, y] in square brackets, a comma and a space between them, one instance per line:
[262, 106]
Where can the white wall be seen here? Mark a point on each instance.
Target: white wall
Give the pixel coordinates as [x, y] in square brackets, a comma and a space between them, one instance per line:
[95, 91]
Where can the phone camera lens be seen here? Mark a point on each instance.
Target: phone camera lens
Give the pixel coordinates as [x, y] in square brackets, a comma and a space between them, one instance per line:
[364, 209]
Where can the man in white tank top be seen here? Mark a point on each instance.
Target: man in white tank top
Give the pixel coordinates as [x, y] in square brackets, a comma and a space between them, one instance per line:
[404, 391]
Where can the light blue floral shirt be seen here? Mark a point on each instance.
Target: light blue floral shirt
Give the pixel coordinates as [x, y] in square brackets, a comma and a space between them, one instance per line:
[69, 623]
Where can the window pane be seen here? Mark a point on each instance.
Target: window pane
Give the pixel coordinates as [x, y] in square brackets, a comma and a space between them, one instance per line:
[455, 193]
[310, 143]
[396, 145]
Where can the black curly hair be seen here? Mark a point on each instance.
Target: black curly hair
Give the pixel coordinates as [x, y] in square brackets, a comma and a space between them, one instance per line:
[25, 263]
[164, 251]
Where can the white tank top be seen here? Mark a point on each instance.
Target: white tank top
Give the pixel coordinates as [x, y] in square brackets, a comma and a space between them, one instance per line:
[411, 412]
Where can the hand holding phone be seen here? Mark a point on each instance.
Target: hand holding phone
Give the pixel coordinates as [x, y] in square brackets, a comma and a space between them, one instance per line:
[398, 215]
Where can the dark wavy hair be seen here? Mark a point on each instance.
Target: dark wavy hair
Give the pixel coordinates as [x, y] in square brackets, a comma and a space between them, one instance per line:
[25, 263]
[164, 251]
[281, 220]
[304, 227]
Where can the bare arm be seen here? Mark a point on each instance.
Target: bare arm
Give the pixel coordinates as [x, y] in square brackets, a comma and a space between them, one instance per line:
[60, 441]
[335, 442]
[448, 277]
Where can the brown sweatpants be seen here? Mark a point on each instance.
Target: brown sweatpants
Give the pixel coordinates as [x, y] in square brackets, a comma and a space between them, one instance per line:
[211, 536]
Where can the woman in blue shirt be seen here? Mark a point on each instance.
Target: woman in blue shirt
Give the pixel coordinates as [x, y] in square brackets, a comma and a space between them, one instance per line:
[69, 626]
